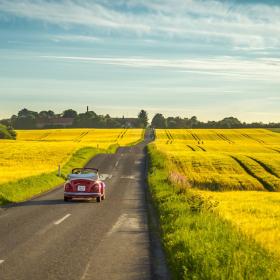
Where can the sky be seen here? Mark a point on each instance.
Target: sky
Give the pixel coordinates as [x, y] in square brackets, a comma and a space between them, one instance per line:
[211, 59]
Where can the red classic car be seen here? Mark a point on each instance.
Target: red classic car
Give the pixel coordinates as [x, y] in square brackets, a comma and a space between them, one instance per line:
[84, 183]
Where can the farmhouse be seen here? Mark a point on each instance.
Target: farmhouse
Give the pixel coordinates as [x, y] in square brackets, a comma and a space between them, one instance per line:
[127, 122]
[54, 122]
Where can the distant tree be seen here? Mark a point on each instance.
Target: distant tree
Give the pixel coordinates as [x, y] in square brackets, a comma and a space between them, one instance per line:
[230, 122]
[69, 114]
[43, 114]
[111, 123]
[88, 119]
[158, 121]
[193, 121]
[143, 118]
[27, 113]
[25, 119]
[46, 114]
[171, 122]
[51, 113]
[176, 122]
[6, 122]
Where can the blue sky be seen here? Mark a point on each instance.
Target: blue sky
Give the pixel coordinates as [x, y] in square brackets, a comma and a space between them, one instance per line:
[210, 58]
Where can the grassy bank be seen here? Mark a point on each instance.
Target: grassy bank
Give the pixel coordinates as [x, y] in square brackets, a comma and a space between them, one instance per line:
[199, 244]
[26, 188]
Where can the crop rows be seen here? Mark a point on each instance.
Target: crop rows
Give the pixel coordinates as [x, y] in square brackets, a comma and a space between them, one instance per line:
[225, 159]
[41, 151]
[239, 168]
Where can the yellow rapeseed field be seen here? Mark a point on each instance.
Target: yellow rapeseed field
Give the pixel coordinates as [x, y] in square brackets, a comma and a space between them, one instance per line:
[220, 163]
[41, 151]
[229, 159]
[257, 214]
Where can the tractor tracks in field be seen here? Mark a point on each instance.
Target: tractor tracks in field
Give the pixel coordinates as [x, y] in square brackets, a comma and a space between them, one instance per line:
[198, 140]
[44, 136]
[252, 138]
[201, 148]
[169, 137]
[252, 174]
[265, 167]
[191, 148]
[81, 136]
[275, 150]
[224, 138]
[121, 135]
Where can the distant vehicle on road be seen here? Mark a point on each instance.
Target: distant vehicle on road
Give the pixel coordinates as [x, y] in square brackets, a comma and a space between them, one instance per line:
[84, 183]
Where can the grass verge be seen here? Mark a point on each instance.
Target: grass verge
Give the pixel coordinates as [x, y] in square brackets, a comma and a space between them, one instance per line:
[198, 243]
[26, 188]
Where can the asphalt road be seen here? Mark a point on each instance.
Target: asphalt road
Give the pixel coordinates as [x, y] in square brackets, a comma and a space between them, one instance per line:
[47, 238]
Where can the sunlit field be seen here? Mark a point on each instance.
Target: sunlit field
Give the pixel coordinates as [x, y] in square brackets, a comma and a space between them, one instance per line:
[243, 159]
[102, 138]
[41, 151]
[256, 214]
[238, 168]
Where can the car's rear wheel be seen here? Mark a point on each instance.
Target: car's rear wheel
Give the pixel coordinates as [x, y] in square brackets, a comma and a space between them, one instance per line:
[103, 196]
[98, 199]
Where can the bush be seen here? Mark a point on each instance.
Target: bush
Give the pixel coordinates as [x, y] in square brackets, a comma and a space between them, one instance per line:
[7, 132]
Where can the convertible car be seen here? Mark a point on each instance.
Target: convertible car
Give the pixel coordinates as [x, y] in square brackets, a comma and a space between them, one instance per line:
[84, 183]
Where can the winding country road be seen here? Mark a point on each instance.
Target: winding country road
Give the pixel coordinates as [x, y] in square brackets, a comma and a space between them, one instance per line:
[47, 238]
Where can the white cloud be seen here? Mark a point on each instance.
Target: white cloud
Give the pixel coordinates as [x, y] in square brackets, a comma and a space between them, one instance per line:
[254, 26]
[76, 38]
[261, 69]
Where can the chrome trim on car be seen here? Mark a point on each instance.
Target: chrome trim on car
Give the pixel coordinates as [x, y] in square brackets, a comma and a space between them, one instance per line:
[81, 193]
[75, 179]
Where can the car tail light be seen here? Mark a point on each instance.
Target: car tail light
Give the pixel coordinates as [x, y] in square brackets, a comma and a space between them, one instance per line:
[67, 187]
[95, 188]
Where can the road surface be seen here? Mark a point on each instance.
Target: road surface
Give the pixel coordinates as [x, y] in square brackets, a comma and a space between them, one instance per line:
[47, 238]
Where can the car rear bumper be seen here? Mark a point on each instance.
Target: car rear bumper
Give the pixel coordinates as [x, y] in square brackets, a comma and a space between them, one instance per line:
[81, 194]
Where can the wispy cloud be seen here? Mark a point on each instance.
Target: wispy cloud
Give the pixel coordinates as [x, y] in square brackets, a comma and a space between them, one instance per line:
[76, 38]
[251, 26]
[261, 69]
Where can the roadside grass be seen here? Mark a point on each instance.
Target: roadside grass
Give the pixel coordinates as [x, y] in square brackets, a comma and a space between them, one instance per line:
[199, 243]
[26, 188]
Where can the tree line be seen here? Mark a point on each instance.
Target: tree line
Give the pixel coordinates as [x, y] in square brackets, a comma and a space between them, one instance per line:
[159, 121]
[27, 119]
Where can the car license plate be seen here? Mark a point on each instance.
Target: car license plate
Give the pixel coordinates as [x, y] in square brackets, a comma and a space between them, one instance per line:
[81, 188]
